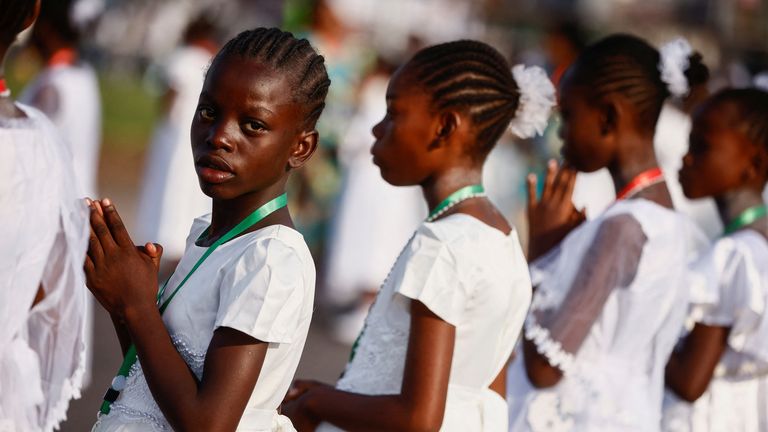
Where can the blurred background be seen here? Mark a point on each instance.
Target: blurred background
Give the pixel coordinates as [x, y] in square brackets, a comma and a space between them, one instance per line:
[146, 60]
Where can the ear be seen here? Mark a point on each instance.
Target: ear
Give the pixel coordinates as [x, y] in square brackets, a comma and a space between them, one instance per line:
[303, 149]
[757, 167]
[447, 124]
[611, 111]
[32, 16]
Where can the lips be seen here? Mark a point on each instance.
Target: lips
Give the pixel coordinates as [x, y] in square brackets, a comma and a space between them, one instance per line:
[213, 169]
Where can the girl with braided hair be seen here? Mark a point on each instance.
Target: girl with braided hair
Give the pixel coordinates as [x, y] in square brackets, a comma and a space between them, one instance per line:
[718, 376]
[436, 341]
[44, 232]
[219, 342]
[611, 293]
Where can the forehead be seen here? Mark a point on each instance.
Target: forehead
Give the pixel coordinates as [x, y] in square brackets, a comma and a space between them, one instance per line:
[403, 85]
[242, 81]
[716, 116]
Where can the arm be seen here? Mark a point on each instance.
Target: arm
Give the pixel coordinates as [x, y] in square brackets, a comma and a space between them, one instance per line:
[602, 270]
[124, 280]
[420, 406]
[690, 369]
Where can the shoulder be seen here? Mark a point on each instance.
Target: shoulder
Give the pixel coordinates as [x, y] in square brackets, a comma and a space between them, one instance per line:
[275, 246]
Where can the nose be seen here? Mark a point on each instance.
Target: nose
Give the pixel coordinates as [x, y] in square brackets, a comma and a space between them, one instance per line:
[378, 129]
[219, 136]
[687, 159]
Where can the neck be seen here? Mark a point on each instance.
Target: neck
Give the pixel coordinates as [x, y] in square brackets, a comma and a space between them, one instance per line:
[639, 157]
[440, 187]
[228, 213]
[733, 203]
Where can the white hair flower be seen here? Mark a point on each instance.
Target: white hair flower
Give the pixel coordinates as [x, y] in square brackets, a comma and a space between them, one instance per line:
[761, 81]
[537, 97]
[674, 61]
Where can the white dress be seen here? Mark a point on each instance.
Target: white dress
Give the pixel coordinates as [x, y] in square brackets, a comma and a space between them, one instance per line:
[730, 289]
[171, 195]
[262, 284]
[476, 279]
[76, 112]
[613, 376]
[44, 234]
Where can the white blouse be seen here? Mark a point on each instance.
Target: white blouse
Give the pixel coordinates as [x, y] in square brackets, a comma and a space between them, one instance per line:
[262, 284]
[476, 279]
[730, 289]
[610, 342]
[43, 238]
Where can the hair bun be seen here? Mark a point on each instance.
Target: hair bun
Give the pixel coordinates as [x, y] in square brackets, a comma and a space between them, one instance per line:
[537, 97]
[697, 72]
[677, 63]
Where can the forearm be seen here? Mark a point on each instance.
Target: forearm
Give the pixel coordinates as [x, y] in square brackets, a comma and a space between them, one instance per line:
[356, 412]
[173, 386]
[122, 333]
[540, 372]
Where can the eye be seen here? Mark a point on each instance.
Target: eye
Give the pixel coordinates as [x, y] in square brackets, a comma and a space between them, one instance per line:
[254, 126]
[205, 113]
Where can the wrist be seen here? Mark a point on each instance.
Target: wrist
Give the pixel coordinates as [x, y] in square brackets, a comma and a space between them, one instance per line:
[136, 313]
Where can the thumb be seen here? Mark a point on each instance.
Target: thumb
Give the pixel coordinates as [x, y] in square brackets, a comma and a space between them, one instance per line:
[155, 251]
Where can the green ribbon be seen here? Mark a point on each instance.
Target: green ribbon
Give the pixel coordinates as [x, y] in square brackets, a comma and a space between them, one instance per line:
[130, 355]
[456, 197]
[746, 217]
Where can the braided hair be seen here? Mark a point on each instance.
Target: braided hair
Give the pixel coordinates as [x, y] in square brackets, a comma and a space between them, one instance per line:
[474, 78]
[13, 13]
[751, 116]
[57, 14]
[629, 66]
[295, 58]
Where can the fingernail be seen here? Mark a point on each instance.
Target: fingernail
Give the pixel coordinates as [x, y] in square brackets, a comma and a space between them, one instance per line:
[88, 201]
[106, 202]
[531, 177]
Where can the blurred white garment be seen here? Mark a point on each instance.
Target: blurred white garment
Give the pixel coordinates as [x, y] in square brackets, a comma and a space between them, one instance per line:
[473, 277]
[595, 192]
[44, 231]
[730, 289]
[69, 95]
[373, 218]
[171, 195]
[610, 342]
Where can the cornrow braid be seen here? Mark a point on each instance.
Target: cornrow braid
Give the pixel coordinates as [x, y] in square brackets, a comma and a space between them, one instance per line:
[629, 66]
[13, 13]
[473, 77]
[752, 112]
[293, 57]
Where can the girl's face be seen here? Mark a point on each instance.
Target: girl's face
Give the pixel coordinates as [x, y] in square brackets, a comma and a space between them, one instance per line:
[402, 150]
[586, 146]
[246, 128]
[719, 157]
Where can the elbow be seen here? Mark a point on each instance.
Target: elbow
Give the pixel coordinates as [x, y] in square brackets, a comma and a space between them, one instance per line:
[689, 393]
[424, 423]
[541, 379]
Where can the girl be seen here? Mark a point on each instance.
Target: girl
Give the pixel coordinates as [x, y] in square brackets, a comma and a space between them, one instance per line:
[610, 296]
[436, 340]
[44, 233]
[220, 351]
[722, 365]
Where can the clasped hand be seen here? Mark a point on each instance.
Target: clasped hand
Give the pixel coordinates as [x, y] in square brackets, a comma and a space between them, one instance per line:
[122, 276]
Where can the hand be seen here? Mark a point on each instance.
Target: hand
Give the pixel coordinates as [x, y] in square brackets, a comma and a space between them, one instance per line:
[300, 417]
[121, 276]
[553, 216]
[299, 387]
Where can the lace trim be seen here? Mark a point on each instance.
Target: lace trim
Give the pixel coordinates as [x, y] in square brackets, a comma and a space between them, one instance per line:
[551, 349]
[70, 389]
[136, 416]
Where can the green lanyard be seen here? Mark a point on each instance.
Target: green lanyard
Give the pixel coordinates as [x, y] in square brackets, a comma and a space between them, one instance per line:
[460, 195]
[745, 218]
[118, 383]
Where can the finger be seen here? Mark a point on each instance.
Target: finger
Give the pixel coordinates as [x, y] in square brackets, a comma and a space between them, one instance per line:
[88, 267]
[95, 253]
[531, 182]
[570, 184]
[115, 224]
[99, 208]
[155, 251]
[100, 228]
[549, 179]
